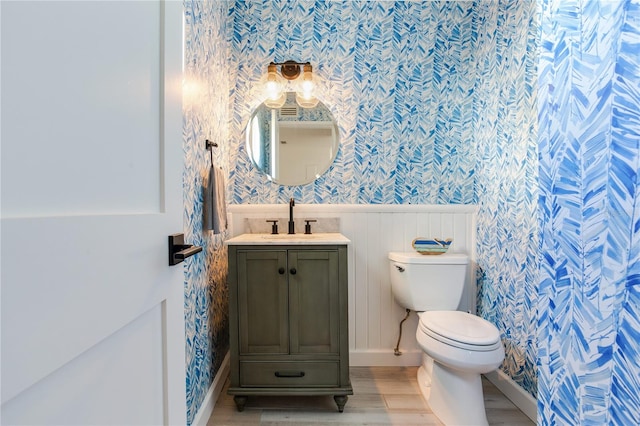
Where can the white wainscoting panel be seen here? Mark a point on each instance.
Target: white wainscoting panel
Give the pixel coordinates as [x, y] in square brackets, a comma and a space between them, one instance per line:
[375, 230]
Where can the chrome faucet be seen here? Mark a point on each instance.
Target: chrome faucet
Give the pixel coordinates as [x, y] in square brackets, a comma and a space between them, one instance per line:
[292, 228]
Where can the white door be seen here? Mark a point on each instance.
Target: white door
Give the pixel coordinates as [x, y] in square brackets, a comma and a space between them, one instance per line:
[92, 315]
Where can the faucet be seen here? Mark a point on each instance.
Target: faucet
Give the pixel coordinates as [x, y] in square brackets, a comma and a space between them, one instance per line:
[292, 229]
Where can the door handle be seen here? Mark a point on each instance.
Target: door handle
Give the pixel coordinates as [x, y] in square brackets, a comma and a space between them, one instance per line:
[179, 251]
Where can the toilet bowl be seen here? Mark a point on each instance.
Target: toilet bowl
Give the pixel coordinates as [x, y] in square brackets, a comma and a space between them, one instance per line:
[462, 346]
[457, 346]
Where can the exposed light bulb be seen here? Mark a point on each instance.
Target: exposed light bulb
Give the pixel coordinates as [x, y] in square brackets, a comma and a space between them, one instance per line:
[306, 100]
[305, 97]
[276, 102]
[274, 88]
[307, 84]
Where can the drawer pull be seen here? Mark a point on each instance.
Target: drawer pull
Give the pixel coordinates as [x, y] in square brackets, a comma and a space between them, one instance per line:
[289, 374]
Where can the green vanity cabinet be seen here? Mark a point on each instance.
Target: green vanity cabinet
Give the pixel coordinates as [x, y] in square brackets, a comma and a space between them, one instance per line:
[288, 321]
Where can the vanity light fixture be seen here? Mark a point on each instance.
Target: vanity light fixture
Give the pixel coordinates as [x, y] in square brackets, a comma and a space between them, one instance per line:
[290, 71]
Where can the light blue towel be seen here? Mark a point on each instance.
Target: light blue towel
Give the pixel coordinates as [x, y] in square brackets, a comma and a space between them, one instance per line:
[215, 205]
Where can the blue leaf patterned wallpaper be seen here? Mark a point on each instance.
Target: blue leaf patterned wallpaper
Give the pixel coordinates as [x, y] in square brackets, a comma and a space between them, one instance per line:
[398, 76]
[589, 295]
[435, 103]
[206, 112]
[505, 137]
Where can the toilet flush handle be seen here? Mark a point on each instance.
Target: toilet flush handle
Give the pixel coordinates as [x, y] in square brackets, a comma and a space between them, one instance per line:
[399, 268]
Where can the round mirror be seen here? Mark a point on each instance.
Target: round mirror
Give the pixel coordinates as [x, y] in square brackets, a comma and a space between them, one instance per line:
[292, 145]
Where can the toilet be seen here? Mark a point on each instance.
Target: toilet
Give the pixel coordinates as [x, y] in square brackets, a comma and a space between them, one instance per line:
[457, 347]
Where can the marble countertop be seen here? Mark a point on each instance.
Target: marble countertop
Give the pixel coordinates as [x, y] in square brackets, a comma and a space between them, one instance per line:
[320, 238]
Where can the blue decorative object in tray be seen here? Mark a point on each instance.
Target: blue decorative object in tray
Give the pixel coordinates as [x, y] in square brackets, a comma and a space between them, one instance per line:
[431, 245]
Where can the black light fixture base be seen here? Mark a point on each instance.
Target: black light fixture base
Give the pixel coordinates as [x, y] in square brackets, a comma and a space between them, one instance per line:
[290, 70]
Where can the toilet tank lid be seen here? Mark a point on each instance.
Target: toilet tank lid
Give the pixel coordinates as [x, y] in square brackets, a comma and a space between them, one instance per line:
[441, 259]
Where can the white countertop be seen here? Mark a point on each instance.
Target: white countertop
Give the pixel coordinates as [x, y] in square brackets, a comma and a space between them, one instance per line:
[286, 239]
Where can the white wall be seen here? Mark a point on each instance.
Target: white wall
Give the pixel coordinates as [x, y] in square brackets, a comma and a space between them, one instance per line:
[374, 230]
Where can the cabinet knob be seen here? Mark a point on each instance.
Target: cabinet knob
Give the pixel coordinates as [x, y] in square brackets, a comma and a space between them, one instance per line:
[293, 271]
[281, 270]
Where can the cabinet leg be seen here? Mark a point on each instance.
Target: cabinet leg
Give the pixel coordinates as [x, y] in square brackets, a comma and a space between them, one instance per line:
[340, 400]
[240, 401]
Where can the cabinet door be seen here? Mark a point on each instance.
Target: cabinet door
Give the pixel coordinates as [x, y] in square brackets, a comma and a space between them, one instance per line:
[263, 302]
[314, 301]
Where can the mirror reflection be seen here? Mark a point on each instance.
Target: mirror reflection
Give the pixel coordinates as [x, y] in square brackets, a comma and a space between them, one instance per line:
[292, 145]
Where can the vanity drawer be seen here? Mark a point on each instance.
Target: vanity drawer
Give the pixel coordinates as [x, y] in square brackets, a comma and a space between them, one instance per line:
[289, 374]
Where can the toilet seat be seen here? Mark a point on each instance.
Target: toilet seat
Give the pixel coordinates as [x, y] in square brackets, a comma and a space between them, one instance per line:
[460, 330]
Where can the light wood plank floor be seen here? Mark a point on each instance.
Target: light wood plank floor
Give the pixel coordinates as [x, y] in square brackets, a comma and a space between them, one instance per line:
[382, 396]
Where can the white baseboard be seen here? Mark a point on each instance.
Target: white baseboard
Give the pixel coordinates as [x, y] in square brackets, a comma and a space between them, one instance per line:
[521, 398]
[206, 408]
[384, 358]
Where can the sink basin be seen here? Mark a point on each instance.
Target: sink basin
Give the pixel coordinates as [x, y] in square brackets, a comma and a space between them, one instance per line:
[291, 236]
[293, 239]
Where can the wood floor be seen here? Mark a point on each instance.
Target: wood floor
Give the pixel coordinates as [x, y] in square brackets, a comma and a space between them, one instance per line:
[382, 396]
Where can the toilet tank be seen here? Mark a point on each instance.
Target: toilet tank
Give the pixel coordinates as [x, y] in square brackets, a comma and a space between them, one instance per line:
[425, 283]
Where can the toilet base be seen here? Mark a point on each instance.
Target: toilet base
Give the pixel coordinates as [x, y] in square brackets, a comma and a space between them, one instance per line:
[455, 397]
[424, 383]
